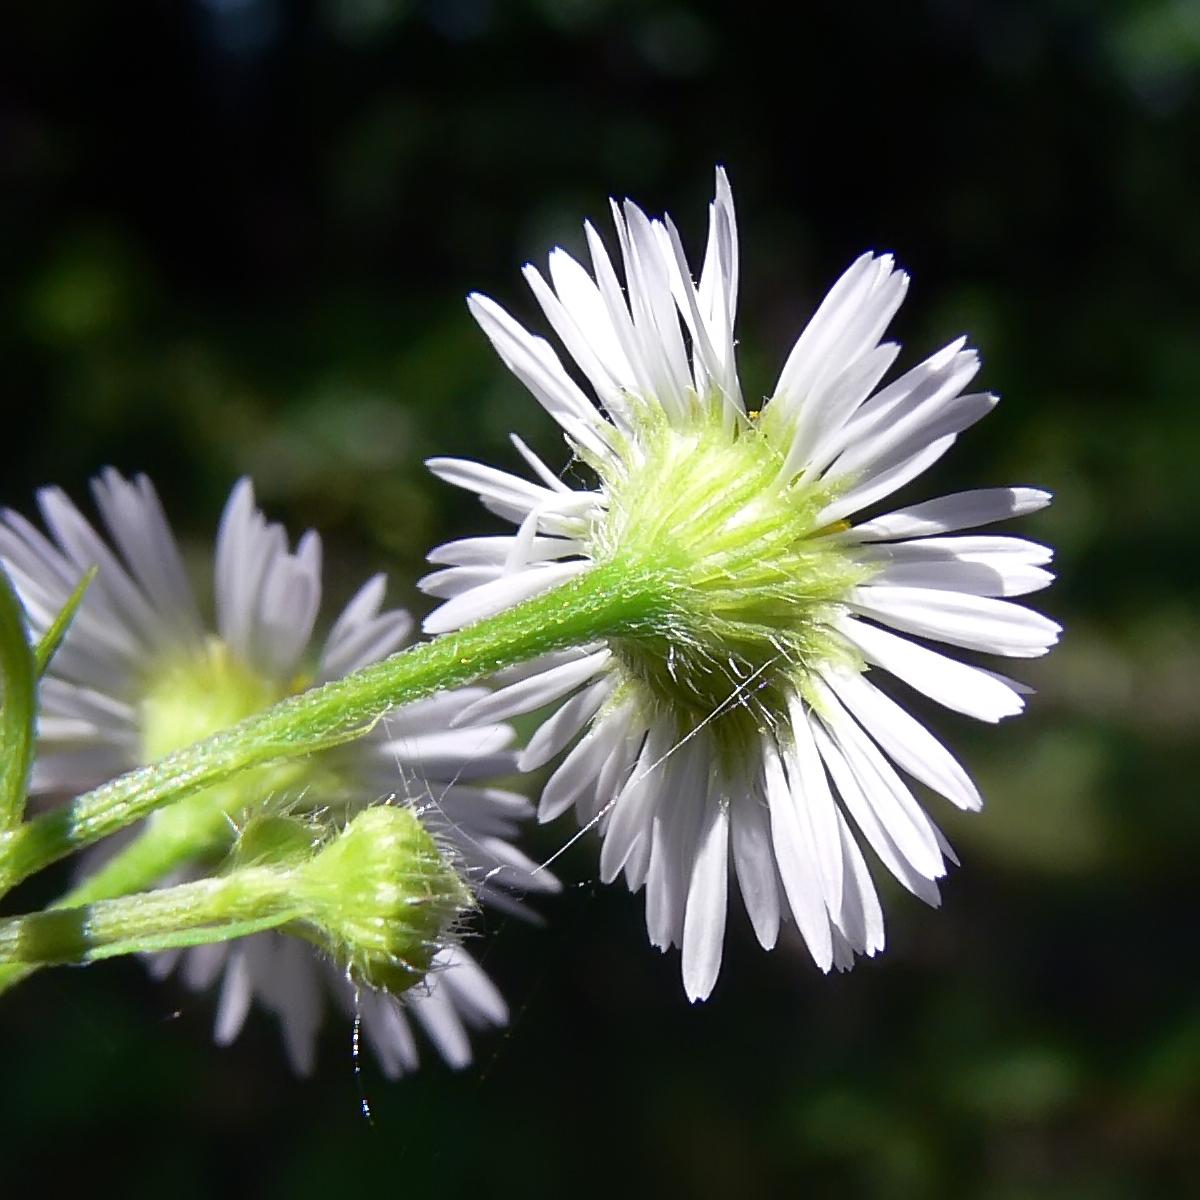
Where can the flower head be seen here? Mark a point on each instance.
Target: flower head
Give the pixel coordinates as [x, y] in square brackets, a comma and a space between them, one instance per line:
[139, 675]
[746, 730]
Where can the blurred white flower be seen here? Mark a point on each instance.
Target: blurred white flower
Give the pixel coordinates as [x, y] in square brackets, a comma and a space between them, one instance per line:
[748, 732]
[139, 675]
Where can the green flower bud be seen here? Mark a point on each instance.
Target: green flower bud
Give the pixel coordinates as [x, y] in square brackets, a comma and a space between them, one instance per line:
[381, 898]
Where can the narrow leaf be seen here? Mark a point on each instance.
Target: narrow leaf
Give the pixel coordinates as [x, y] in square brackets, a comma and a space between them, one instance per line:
[19, 711]
[52, 638]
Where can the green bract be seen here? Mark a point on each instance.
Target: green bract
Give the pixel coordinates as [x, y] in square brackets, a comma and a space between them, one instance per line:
[754, 580]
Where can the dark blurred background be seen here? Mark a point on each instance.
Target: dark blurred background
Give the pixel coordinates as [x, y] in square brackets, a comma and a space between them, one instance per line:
[235, 236]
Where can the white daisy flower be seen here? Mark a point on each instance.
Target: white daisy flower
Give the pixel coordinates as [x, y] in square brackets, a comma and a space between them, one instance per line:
[138, 675]
[746, 729]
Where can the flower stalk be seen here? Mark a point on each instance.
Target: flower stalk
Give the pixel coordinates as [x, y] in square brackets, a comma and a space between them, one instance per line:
[625, 598]
[379, 898]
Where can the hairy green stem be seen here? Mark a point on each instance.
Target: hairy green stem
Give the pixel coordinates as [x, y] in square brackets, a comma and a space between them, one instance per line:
[207, 910]
[611, 600]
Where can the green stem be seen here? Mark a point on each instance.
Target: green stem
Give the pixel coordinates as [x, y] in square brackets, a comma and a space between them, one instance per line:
[200, 826]
[208, 910]
[611, 600]
[194, 827]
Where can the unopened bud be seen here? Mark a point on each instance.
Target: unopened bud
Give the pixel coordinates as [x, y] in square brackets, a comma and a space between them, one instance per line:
[381, 897]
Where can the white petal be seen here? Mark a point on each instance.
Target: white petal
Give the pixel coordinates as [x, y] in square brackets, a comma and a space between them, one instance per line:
[288, 604]
[435, 1012]
[492, 598]
[482, 810]
[704, 918]
[810, 788]
[449, 750]
[596, 351]
[534, 692]
[956, 685]
[829, 406]
[982, 566]
[495, 551]
[902, 410]
[629, 826]
[792, 839]
[984, 548]
[655, 316]
[848, 323]
[246, 547]
[555, 732]
[903, 737]
[64, 729]
[387, 1032]
[24, 544]
[961, 510]
[976, 622]
[1001, 577]
[850, 788]
[362, 608]
[112, 718]
[678, 821]
[234, 1004]
[430, 715]
[880, 452]
[584, 303]
[490, 482]
[203, 964]
[876, 486]
[367, 644]
[508, 867]
[136, 521]
[286, 976]
[618, 311]
[577, 774]
[754, 861]
[626, 731]
[448, 743]
[718, 288]
[85, 548]
[535, 666]
[454, 581]
[712, 345]
[362, 635]
[537, 466]
[861, 919]
[101, 644]
[75, 771]
[475, 996]
[532, 361]
[893, 805]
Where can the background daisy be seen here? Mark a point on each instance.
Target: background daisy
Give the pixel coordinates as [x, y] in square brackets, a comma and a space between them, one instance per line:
[138, 675]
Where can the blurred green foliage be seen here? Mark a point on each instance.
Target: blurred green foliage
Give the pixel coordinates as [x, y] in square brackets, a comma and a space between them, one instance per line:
[235, 236]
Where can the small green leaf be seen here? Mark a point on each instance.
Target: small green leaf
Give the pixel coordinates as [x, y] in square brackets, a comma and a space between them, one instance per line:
[19, 712]
[52, 638]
